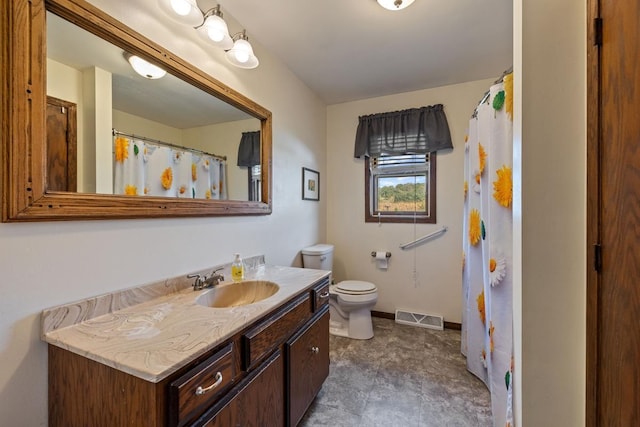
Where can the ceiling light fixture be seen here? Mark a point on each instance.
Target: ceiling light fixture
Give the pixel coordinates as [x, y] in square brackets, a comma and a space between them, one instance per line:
[395, 4]
[215, 30]
[183, 11]
[144, 67]
[241, 54]
[211, 27]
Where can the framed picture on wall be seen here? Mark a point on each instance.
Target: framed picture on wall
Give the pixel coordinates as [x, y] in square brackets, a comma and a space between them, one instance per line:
[310, 184]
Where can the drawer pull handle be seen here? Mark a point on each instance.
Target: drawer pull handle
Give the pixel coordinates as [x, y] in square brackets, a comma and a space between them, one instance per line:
[315, 350]
[200, 391]
[325, 294]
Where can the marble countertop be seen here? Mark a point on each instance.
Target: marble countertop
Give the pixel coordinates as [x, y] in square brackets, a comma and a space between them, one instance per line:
[155, 338]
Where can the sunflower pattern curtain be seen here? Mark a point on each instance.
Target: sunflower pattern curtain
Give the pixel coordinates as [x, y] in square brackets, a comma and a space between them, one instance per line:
[143, 168]
[487, 321]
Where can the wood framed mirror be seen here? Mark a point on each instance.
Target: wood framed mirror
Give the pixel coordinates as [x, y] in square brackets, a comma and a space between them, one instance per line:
[27, 186]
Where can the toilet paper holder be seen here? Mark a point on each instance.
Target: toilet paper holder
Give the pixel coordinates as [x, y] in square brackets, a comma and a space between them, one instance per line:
[388, 254]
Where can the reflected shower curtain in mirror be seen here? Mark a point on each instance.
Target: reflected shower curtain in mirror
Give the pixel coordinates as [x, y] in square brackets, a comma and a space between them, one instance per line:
[487, 273]
[146, 168]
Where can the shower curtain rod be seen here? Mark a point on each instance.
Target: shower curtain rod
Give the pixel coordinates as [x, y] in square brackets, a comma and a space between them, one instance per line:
[423, 238]
[486, 94]
[504, 73]
[168, 144]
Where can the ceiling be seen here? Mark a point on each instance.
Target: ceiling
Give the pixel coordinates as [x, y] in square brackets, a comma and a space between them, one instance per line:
[346, 50]
[343, 50]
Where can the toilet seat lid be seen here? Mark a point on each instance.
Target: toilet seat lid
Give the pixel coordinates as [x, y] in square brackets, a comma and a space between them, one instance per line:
[355, 287]
[319, 249]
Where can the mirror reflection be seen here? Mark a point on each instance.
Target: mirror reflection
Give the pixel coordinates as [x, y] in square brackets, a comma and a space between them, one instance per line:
[112, 131]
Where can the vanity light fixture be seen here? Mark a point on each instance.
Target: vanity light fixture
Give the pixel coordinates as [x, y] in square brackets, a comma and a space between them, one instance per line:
[215, 30]
[212, 28]
[183, 11]
[241, 54]
[144, 68]
[395, 4]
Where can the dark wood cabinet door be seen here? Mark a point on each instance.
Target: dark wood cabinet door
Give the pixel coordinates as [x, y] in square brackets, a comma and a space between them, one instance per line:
[307, 365]
[257, 402]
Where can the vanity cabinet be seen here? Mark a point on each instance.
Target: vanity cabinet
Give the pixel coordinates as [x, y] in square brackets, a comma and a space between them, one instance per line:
[267, 374]
[307, 365]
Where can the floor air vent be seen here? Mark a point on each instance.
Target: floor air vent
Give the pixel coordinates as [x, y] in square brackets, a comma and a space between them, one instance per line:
[420, 319]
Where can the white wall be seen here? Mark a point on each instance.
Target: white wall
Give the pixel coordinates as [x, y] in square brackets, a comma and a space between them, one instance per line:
[45, 264]
[136, 125]
[550, 211]
[96, 164]
[64, 82]
[223, 139]
[437, 263]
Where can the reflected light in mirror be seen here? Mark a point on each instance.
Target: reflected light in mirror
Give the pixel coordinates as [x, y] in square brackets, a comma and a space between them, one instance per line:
[395, 4]
[145, 68]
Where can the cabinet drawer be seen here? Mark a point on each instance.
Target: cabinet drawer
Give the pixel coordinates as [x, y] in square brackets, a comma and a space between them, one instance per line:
[193, 392]
[257, 400]
[259, 341]
[320, 295]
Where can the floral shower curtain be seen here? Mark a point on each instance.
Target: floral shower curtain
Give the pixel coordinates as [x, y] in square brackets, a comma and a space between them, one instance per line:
[148, 168]
[487, 321]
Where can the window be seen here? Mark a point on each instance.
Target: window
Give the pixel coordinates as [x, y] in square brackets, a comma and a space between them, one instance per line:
[255, 183]
[400, 188]
[400, 166]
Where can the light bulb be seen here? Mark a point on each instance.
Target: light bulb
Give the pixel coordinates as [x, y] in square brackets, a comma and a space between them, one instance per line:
[241, 50]
[241, 54]
[181, 7]
[216, 28]
[215, 34]
[182, 11]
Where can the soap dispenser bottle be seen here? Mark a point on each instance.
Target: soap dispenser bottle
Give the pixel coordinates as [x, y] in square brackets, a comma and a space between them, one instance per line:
[237, 269]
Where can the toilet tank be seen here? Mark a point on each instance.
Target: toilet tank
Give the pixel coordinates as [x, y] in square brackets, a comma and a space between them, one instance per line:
[318, 256]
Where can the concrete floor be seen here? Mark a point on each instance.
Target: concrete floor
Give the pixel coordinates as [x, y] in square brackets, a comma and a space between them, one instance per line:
[404, 376]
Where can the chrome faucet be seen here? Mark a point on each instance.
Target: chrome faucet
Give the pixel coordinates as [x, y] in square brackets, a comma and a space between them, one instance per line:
[203, 281]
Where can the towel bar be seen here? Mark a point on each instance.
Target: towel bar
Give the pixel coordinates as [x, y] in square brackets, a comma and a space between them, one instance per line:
[423, 238]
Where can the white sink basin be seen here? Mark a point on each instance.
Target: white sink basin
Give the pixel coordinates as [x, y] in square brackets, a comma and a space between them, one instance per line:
[237, 294]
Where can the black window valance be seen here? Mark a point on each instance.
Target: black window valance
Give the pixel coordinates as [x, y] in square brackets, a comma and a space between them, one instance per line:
[249, 149]
[416, 130]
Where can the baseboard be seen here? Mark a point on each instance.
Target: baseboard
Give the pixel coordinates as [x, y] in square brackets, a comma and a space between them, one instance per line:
[383, 314]
[447, 325]
[453, 325]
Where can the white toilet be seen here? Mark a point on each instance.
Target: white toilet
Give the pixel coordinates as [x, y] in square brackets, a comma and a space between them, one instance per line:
[350, 301]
